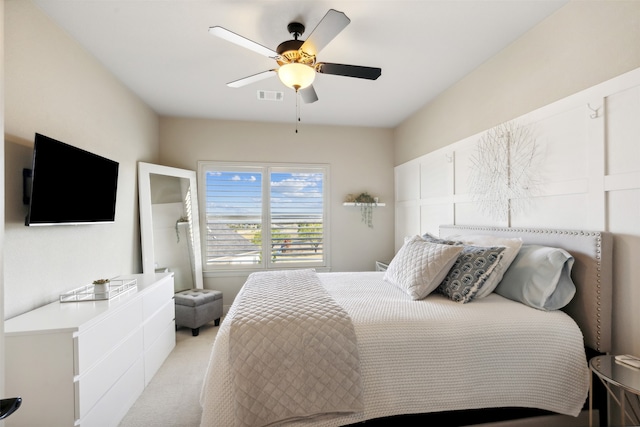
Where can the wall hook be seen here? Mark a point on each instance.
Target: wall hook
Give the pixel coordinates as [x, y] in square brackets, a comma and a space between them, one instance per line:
[595, 111]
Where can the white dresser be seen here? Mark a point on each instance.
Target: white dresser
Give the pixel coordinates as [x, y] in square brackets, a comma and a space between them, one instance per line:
[86, 363]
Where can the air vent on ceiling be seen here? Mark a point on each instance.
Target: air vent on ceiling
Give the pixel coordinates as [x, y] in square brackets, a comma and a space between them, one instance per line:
[270, 95]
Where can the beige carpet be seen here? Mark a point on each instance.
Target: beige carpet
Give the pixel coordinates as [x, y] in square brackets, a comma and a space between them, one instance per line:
[172, 397]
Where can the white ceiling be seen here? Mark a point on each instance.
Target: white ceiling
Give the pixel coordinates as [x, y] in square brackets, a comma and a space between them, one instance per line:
[162, 50]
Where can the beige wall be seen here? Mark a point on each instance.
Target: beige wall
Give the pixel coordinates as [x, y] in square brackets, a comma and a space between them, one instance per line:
[361, 159]
[581, 45]
[55, 88]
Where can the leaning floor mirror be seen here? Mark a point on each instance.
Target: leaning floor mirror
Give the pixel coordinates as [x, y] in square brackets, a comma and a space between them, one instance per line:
[169, 224]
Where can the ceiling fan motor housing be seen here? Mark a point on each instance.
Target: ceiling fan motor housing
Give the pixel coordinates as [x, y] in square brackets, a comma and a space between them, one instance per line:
[289, 50]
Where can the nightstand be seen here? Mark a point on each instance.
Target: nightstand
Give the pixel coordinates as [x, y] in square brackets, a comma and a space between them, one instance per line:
[381, 266]
[624, 377]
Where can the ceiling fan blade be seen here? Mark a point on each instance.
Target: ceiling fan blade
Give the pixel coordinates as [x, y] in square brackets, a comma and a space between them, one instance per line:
[232, 37]
[358, 71]
[328, 27]
[252, 79]
[308, 94]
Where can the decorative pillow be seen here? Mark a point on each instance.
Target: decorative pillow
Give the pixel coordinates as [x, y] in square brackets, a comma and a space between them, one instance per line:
[540, 277]
[470, 272]
[419, 266]
[433, 239]
[511, 245]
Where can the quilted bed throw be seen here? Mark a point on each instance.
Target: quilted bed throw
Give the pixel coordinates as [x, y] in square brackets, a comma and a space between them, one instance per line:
[292, 350]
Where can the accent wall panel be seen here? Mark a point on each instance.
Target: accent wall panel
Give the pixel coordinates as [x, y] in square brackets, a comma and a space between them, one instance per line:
[623, 132]
[469, 213]
[436, 177]
[577, 139]
[433, 215]
[561, 140]
[557, 211]
[407, 222]
[589, 178]
[407, 182]
[464, 151]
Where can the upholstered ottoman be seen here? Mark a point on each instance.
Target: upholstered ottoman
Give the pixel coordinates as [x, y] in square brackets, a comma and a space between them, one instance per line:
[196, 307]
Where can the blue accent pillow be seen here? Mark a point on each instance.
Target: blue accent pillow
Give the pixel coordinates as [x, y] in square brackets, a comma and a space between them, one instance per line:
[540, 277]
[470, 272]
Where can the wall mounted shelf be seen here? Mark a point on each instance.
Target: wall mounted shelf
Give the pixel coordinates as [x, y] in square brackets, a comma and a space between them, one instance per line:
[365, 204]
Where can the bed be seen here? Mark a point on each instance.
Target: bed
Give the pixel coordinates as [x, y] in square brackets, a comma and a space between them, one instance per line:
[422, 355]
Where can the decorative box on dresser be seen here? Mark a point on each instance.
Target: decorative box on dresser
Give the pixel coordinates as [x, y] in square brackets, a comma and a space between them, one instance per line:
[85, 363]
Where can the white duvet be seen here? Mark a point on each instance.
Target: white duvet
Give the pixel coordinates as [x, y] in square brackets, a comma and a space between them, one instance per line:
[436, 355]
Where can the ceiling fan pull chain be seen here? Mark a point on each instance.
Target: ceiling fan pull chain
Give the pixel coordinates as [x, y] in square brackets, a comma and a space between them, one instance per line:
[297, 110]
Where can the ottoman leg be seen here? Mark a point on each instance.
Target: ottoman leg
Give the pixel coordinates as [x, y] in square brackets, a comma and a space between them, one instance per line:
[195, 332]
[217, 322]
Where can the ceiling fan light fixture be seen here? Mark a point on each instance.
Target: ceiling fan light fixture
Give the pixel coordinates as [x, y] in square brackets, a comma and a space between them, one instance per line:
[296, 76]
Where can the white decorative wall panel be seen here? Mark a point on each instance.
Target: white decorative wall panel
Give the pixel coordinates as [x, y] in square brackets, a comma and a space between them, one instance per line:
[589, 179]
[407, 182]
[463, 152]
[623, 131]
[436, 169]
[469, 213]
[432, 216]
[561, 139]
[560, 211]
[407, 222]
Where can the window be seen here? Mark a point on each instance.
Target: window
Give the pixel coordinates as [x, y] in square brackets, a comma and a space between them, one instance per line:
[260, 216]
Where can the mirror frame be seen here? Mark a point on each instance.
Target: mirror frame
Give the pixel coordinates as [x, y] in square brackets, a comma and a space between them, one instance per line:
[146, 221]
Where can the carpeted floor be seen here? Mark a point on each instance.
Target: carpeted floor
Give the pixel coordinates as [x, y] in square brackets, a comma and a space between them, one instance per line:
[172, 397]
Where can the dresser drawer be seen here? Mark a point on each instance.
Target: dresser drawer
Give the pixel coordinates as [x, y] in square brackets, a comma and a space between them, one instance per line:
[94, 343]
[157, 297]
[154, 326]
[113, 406]
[95, 383]
[156, 354]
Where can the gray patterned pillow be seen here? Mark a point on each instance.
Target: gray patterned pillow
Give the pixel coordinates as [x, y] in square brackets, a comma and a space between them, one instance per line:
[511, 245]
[433, 239]
[419, 266]
[470, 272]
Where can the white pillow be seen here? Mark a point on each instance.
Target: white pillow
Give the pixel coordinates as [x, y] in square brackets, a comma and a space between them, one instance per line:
[420, 266]
[512, 247]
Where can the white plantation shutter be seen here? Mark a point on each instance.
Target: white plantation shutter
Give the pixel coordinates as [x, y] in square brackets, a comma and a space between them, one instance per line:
[264, 216]
[296, 208]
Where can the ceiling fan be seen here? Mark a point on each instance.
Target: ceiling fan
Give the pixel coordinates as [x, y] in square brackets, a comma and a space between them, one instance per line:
[297, 58]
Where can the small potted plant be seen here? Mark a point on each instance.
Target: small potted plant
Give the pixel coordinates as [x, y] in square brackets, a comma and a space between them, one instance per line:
[366, 202]
[101, 286]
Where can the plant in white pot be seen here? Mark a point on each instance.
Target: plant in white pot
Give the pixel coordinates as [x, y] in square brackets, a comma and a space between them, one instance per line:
[101, 286]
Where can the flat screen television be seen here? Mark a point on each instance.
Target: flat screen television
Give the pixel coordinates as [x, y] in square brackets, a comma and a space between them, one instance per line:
[70, 185]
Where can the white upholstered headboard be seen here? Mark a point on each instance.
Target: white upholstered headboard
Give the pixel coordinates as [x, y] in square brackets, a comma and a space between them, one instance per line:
[591, 273]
